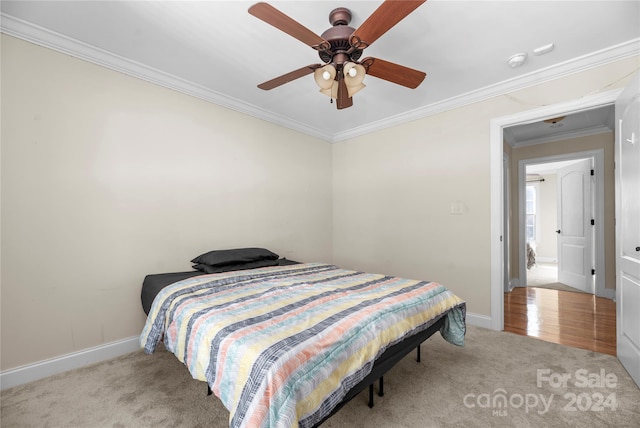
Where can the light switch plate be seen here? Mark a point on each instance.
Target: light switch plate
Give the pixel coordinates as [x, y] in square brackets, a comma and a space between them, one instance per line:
[457, 208]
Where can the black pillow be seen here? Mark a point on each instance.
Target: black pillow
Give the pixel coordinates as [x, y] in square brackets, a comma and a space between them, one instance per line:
[238, 266]
[234, 256]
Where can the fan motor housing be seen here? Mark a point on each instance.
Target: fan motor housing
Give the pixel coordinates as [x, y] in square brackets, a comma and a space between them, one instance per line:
[338, 36]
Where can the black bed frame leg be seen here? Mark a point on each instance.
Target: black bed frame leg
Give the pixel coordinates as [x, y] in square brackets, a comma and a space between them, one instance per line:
[380, 391]
[418, 357]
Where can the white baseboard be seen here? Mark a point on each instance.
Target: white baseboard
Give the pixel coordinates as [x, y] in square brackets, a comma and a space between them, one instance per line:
[479, 320]
[46, 368]
[607, 293]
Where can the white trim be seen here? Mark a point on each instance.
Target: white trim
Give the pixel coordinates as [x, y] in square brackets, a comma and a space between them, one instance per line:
[598, 211]
[497, 231]
[67, 45]
[595, 130]
[495, 152]
[506, 249]
[53, 366]
[607, 293]
[50, 39]
[42, 369]
[576, 65]
[478, 320]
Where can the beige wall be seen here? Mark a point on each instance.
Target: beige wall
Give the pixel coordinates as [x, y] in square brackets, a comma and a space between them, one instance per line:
[393, 192]
[106, 178]
[393, 189]
[593, 142]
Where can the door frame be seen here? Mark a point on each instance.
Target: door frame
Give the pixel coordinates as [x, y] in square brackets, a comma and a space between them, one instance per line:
[506, 240]
[598, 214]
[496, 141]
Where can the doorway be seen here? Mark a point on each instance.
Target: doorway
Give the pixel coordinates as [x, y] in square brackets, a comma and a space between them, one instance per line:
[498, 220]
[570, 234]
[563, 225]
[626, 262]
[541, 228]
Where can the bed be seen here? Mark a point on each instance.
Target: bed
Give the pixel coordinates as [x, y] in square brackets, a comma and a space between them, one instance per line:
[290, 343]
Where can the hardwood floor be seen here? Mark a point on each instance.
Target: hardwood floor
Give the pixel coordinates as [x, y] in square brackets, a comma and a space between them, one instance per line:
[575, 319]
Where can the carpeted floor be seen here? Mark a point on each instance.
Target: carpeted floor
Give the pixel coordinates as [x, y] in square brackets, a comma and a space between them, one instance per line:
[541, 273]
[497, 380]
[545, 275]
[557, 286]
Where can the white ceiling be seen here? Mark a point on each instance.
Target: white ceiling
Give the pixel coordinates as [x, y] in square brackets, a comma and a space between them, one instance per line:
[216, 51]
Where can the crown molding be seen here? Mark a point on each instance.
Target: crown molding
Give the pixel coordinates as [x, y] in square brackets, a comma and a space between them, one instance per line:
[50, 39]
[41, 36]
[576, 65]
[594, 130]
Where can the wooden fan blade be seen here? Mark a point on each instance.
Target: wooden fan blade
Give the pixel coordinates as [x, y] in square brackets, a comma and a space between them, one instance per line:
[286, 78]
[382, 19]
[273, 16]
[343, 100]
[392, 72]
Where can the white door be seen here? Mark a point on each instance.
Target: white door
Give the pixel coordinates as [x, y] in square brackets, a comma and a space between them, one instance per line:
[575, 235]
[628, 228]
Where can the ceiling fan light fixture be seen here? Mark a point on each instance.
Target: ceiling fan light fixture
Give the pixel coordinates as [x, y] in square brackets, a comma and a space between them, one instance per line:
[324, 76]
[354, 71]
[331, 91]
[353, 77]
[352, 90]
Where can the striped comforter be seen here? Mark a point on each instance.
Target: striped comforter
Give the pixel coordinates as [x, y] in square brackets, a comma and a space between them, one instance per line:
[281, 346]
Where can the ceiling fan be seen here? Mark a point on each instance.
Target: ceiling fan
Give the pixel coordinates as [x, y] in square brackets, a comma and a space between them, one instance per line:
[340, 48]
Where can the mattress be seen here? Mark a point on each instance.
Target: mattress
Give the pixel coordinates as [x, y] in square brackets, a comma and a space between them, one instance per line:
[152, 284]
